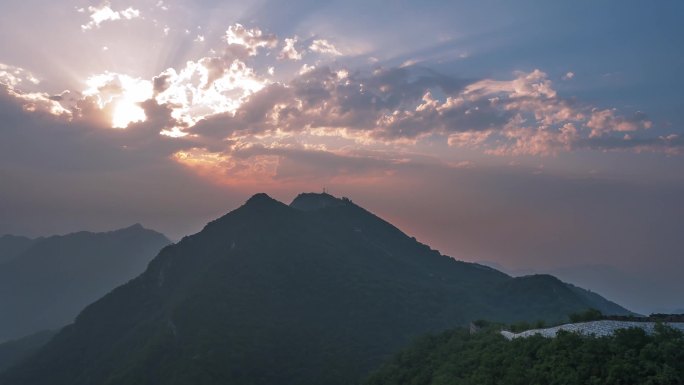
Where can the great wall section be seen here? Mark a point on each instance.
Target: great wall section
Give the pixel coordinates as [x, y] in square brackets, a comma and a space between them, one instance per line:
[597, 328]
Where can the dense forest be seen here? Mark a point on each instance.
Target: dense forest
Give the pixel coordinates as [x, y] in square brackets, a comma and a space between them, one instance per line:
[457, 357]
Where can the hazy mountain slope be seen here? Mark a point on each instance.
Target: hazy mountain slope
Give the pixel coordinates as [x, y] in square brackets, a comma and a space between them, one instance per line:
[49, 283]
[12, 352]
[643, 293]
[275, 294]
[11, 246]
[597, 302]
[638, 292]
[550, 297]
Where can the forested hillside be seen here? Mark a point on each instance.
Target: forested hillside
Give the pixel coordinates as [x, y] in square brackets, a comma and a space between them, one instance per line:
[457, 357]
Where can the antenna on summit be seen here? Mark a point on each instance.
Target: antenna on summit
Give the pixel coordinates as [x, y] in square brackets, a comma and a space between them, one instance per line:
[325, 190]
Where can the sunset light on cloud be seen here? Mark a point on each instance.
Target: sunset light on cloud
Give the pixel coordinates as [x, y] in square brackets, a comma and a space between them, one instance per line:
[311, 95]
[233, 92]
[104, 13]
[121, 94]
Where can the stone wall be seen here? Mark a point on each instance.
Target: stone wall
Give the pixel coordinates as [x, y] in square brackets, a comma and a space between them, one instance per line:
[597, 328]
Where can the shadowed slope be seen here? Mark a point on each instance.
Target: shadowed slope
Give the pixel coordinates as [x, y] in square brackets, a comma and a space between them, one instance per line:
[275, 294]
[12, 246]
[46, 286]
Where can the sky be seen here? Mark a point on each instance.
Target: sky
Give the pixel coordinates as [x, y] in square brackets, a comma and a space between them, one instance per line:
[531, 135]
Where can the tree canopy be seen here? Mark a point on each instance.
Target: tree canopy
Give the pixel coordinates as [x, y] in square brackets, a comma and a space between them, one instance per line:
[630, 356]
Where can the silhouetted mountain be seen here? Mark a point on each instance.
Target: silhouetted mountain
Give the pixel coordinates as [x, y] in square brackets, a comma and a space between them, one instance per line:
[313, 201]
[46, 285]
[638, 292]
[319, 292]
[12, 352]
[12, 246]
[551, 297]
[598, 302]
[643, 293]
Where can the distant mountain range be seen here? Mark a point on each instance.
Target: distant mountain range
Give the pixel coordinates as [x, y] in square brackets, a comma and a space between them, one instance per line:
[638, 292]
[11, 246]
[46, 282]
[317, 292]
[14, 351]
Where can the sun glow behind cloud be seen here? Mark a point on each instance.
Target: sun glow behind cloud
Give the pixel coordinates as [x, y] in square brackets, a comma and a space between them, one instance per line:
[206, 87]
[203, 88]
[309, 96]
[229, 115]
[217, 82]
[121, 95]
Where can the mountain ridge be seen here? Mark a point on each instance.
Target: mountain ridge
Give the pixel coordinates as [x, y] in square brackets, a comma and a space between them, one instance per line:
[46, 285]
[270, 293]
[13, 245]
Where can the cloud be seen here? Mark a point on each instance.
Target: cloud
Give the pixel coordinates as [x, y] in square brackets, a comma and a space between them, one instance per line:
[289, 50]
[251, 39]
[54, 166]
[99, 15]
[13, 76]
[606, 121]
[522, 116]
[67, 142]
[569, 75]
[526, 85]
[324, 47]
[207, 87]
[22, 85]
[210, 112]
[468, 139]
[220, 98]
[119, 95]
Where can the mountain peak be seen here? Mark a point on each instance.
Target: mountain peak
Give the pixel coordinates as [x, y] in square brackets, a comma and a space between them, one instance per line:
[236, 299]
[263, 201]
[316, 201]
[136, 228]
[259, 198]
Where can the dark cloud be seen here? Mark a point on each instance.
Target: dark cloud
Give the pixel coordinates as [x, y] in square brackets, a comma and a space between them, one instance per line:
[161, 83]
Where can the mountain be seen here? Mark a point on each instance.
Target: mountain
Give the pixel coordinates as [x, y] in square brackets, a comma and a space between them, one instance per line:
[14, 351]
[633, 289]
[318, 292]
[642, 292]
[313, 201]
[596, 301]
[46, 285]
[549, 297]
[12, 246]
